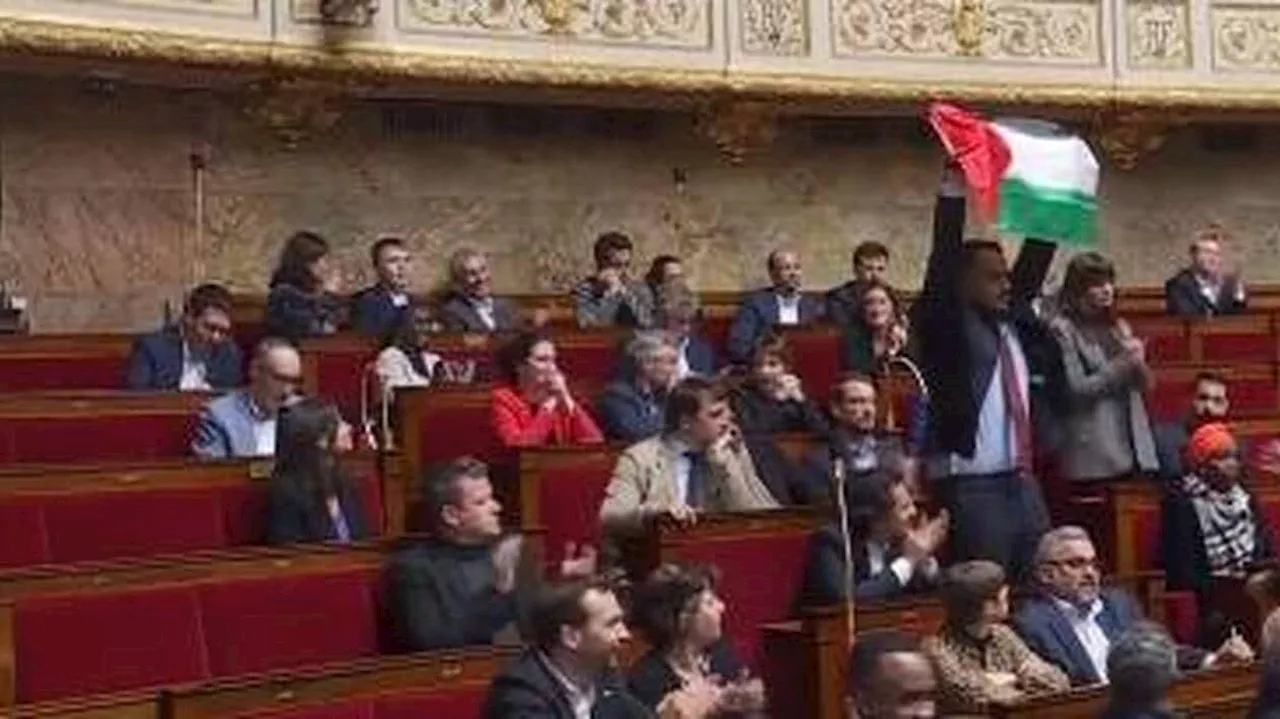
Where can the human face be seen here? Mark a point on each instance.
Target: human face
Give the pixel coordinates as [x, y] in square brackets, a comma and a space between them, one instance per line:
[705, 619]
[540, 365]
[987, 283]
[1211, 402]
[671, 272]
[619, 260]
[393, 267]
[877, 308]
[658, 368]
[768, 371]
[344, 439]
[713, 419]
[1206, 258]
[322, 269]
[996, 610]
[598, 640]
[854, 407]
[275, 378]
[208, 329]
[475, 516]
[1098, 299]
[903, 512]
[1071, 572]
[785, 272]
[870, 269]
[903, 688]
[473, 277]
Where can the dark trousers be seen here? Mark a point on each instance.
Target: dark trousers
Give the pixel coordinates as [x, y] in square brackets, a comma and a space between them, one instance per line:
[999, 517]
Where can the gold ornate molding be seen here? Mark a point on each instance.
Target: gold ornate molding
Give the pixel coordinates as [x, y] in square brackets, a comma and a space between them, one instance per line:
[1126, 136]
[739, 129]
[970, 24]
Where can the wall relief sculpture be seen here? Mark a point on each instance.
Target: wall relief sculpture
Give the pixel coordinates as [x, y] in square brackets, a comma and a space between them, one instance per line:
[236, 8]
[659, 23]
[1246, 37]
[775, 27]
[1159, 34]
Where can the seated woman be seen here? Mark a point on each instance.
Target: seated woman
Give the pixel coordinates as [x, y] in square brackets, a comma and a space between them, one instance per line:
[404, 360]
[877, 332]
[631, 408]
[772, 399]
[894, 546]
[310, 497]
[533, 407]
[1211, 526]
[680, 614]
[303, 300]
[980, 661]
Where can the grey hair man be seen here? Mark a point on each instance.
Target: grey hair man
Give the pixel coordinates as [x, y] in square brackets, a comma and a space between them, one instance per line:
[631, 407]
[1073, 621]
[1142, 664]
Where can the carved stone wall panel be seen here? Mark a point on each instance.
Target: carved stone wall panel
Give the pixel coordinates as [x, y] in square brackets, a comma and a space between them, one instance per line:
[195, 8]
[1037, 32]
[1158, 34]
[1246, 36]
[775, 27]
[683, 24]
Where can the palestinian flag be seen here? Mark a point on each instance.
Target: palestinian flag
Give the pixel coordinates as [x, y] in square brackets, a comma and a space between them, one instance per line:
[1030, 178]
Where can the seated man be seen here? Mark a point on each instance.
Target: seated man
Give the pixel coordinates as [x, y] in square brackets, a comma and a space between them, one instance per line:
[1204, 289]
[889, 677]
[631, 408]
[196, 354]
[781, 304]
[611, 297]
[1072, 622]
[471, 306]
[677, 312]
[864, 452]
[1209, 404]
[378, 310]
[894, 546]
[243, 423]
[870, 264]
[699, 462]
[464, 584]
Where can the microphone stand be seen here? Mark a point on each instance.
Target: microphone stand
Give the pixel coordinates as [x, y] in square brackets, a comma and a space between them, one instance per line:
[839, 482]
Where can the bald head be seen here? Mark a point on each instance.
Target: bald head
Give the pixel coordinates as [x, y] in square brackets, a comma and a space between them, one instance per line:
[275, 373]
[785, 271]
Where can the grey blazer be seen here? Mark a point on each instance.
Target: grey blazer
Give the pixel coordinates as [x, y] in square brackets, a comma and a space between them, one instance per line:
[225, 429]
[1108, 432]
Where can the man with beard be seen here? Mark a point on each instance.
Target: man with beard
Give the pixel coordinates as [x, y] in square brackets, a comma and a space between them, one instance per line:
[1210, 403]
[1073, 622]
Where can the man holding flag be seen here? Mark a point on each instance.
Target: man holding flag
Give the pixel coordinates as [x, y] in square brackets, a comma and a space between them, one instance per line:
[994, 370]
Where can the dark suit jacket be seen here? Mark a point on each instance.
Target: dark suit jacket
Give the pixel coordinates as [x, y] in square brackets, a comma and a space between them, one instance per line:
[817, 467]
[156, 363]
[842, 303]
[1048, 632]
[458, 315]
[293, 314]
[759, 414]
[824, 573]
[627, 414]
[294, 517]
[1182, 298]
[1183, 556]
[780, 476]
[651, 679]
[373, 312]
[700, 356]
[526, 689]
[759, 312]
[957, 372]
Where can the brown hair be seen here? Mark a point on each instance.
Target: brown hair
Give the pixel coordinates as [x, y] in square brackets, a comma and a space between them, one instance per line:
[1084, 272]
[772, 344]
[659, 604]
[559, 604]
[836, 393]
[966, 587]
[871, 250]
[686, 399]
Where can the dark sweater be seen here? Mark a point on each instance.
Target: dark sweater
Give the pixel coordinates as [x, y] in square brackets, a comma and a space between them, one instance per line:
[443, 596]
[759, 414]
[652, 678]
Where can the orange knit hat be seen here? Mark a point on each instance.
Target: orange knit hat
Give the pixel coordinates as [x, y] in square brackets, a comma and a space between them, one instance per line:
[1209, 442]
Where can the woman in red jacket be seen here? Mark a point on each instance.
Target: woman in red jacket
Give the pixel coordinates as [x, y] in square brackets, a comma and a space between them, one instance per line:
[533, 407]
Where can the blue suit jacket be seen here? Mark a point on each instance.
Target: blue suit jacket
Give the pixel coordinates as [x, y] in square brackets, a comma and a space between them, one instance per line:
[700, 356]
[759, 312]
[628, 415]
[156, 363]
[225, 429]
[374, 313]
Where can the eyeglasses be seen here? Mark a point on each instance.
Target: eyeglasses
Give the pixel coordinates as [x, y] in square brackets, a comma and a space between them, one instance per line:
[1076, 563]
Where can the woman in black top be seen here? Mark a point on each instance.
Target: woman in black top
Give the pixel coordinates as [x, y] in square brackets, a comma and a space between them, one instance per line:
[311, 499]
[772, 400]
[680, 614]
[303, 300]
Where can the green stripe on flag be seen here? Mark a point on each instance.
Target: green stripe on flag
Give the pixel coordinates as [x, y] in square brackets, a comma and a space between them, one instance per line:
[1064, 216]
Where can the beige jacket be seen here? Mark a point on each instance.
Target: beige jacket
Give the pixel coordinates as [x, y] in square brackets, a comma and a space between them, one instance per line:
[644, 485]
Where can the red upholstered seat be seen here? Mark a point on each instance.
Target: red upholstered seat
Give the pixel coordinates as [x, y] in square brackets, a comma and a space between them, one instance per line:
[244, 513]
[1146, 538]
[590, 361]
[353, 709]
[338, 375]
[1181, 616]
[1241, 347]
[459, 429]
[23, 537]
[87, 371]
[460, 702]
[761, 579]
[85, 526]
[817, 360]
[569, 500]
[67, 439]
[289, 620]
[103, 642]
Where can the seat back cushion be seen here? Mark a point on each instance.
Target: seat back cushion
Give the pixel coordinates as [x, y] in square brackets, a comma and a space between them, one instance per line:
[85, 526]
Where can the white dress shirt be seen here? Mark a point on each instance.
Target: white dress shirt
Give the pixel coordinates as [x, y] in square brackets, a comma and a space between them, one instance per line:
[581, 701]
[264, 437]
[484, 308]
[1084, 622]
[682, 469]
[195, 372]
[682, 359]
[993, 451]
[789, 309]
[902, 567]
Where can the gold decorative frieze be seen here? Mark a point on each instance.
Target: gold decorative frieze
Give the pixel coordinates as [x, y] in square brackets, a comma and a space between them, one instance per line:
[1246, 36]
[775, 27]
[1125, 137]
[682, 24]
[739, 128]
[1034, 31]
[1158, 33]
[194, 8]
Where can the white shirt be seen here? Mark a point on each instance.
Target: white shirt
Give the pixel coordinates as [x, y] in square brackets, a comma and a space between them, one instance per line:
[195, 373]
[399, 299]
[580, 701]
[264, 437]
[994, 443]
[682, 469]
[484, 308]
[901, 567]
[682, 359]
[1088, 632]
[789, 309]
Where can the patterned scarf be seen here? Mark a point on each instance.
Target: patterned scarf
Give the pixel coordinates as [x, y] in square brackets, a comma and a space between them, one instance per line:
[1227, 523]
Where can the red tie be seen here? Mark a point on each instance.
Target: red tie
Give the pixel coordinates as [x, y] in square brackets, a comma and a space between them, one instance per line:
[1016, 405]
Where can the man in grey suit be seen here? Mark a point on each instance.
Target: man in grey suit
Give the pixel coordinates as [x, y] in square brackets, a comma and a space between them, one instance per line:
[243, 423]
[471, 306]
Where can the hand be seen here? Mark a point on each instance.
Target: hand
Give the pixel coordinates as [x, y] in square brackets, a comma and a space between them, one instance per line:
[724, 447]
[1233, 651]
[611, 278]
[1135, 349]
[332, 282]
[953, 181]
[924, 540]
[506, 562]
[897, 339]
[578, 561]
[682, 514]
[742, 696]
[1004, 694]
[558, 387]
[697, 699]
[791, 388]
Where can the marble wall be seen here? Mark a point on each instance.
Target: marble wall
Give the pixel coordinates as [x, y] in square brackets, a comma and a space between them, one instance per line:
[97, 226]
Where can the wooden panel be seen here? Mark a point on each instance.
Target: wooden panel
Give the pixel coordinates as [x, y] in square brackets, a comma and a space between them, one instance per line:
[1222, 692]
